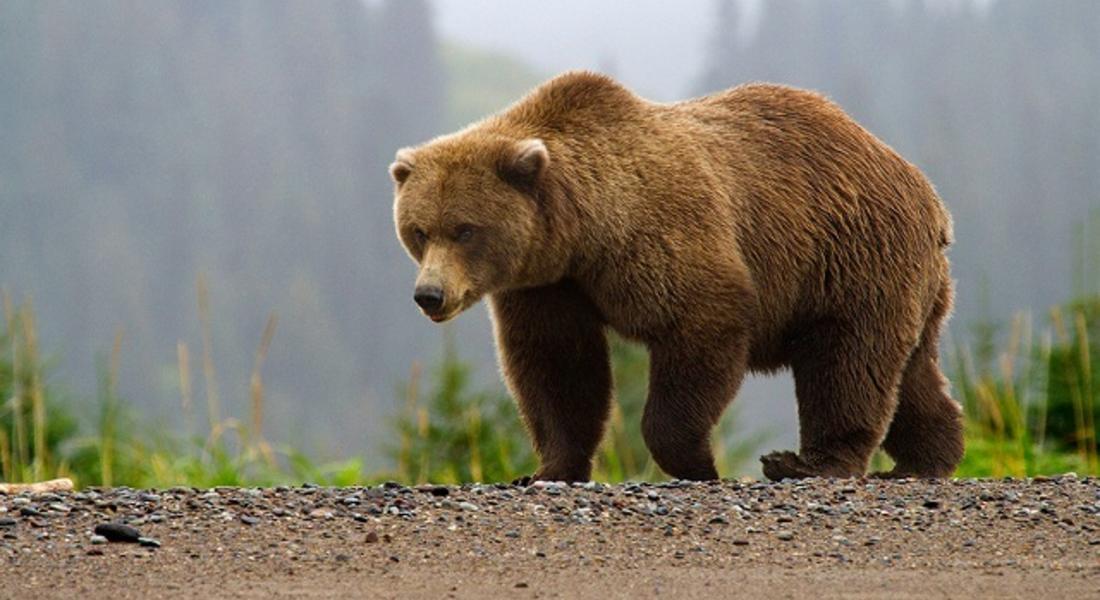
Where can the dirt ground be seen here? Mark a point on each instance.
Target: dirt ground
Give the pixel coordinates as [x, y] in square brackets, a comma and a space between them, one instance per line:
[815, 538]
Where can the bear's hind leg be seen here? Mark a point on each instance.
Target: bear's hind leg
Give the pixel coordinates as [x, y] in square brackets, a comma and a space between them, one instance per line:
[926, 435]
[554, 357]
[846, 381]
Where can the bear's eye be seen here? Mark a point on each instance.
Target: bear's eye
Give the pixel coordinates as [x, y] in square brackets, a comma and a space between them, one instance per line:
[421, 237]
[464, 233]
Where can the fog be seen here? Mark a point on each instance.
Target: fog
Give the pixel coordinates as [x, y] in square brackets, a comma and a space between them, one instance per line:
[145, 144]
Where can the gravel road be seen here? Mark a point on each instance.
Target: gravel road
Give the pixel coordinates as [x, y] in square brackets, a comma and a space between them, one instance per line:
[819, 538]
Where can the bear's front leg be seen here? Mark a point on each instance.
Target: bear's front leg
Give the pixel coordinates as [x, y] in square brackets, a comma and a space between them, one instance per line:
[554, 357]
[692, 380]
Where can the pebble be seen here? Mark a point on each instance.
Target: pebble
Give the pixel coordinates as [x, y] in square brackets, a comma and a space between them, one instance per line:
[6, 522]
[118, 532]
[372, 537]
[98, 539]
[470, 506]
[249, 520]
[786, 536]
[148, 542]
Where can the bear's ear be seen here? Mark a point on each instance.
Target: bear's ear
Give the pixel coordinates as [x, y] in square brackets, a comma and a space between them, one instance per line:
[524, 162]
[401, 167]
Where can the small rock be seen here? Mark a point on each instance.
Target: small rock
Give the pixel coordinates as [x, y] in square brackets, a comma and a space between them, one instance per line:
[521, 584]
[932, 504]
[7, 522]
[118, 532]
[786, 536]
[372, 537]
[148, 542]
[94, 551]
[29, 511]
[740, 542]
[98, 539]
[249, 520]
[468, 506]
[440, 491]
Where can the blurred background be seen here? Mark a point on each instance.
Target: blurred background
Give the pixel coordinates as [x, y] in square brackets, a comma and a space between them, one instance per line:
[198, 257]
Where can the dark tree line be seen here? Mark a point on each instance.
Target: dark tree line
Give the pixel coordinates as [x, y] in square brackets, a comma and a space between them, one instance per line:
[999, 105]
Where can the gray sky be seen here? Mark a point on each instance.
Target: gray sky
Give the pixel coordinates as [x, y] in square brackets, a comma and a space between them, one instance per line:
[658, 48]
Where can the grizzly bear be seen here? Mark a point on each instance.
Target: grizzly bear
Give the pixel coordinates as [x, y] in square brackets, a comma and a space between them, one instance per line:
[750, 230]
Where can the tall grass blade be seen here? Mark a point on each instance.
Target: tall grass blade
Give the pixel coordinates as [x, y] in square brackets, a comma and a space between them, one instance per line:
[213, 402]
[183, 361]
[256, 391]
[38, 399]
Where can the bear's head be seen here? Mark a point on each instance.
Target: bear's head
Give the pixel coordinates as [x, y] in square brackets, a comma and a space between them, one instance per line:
[466, 210]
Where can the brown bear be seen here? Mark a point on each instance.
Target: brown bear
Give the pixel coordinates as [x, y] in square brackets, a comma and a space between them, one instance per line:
[750, 230]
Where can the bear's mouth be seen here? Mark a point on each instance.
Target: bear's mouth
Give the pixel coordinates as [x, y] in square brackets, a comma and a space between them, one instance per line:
[468, 300]
[439, 317]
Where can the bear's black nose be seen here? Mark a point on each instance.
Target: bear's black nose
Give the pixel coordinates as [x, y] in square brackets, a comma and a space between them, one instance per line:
[430, 298]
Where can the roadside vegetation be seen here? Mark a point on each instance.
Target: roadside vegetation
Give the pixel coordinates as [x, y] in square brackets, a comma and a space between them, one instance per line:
[1031, 394]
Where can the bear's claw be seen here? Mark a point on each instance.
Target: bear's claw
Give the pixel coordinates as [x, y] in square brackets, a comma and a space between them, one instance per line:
[786, 465]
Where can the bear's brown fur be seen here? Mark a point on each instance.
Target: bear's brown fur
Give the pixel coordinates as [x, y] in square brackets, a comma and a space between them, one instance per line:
[753, 229]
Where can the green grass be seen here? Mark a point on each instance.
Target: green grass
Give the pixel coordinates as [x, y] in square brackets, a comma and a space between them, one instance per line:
[41, 436]
[1032, 405]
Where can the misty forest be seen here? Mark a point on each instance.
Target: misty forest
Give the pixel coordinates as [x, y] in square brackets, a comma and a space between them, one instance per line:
[174, 173]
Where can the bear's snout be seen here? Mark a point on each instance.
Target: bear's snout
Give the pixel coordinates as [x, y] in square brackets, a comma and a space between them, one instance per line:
[429, 298]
